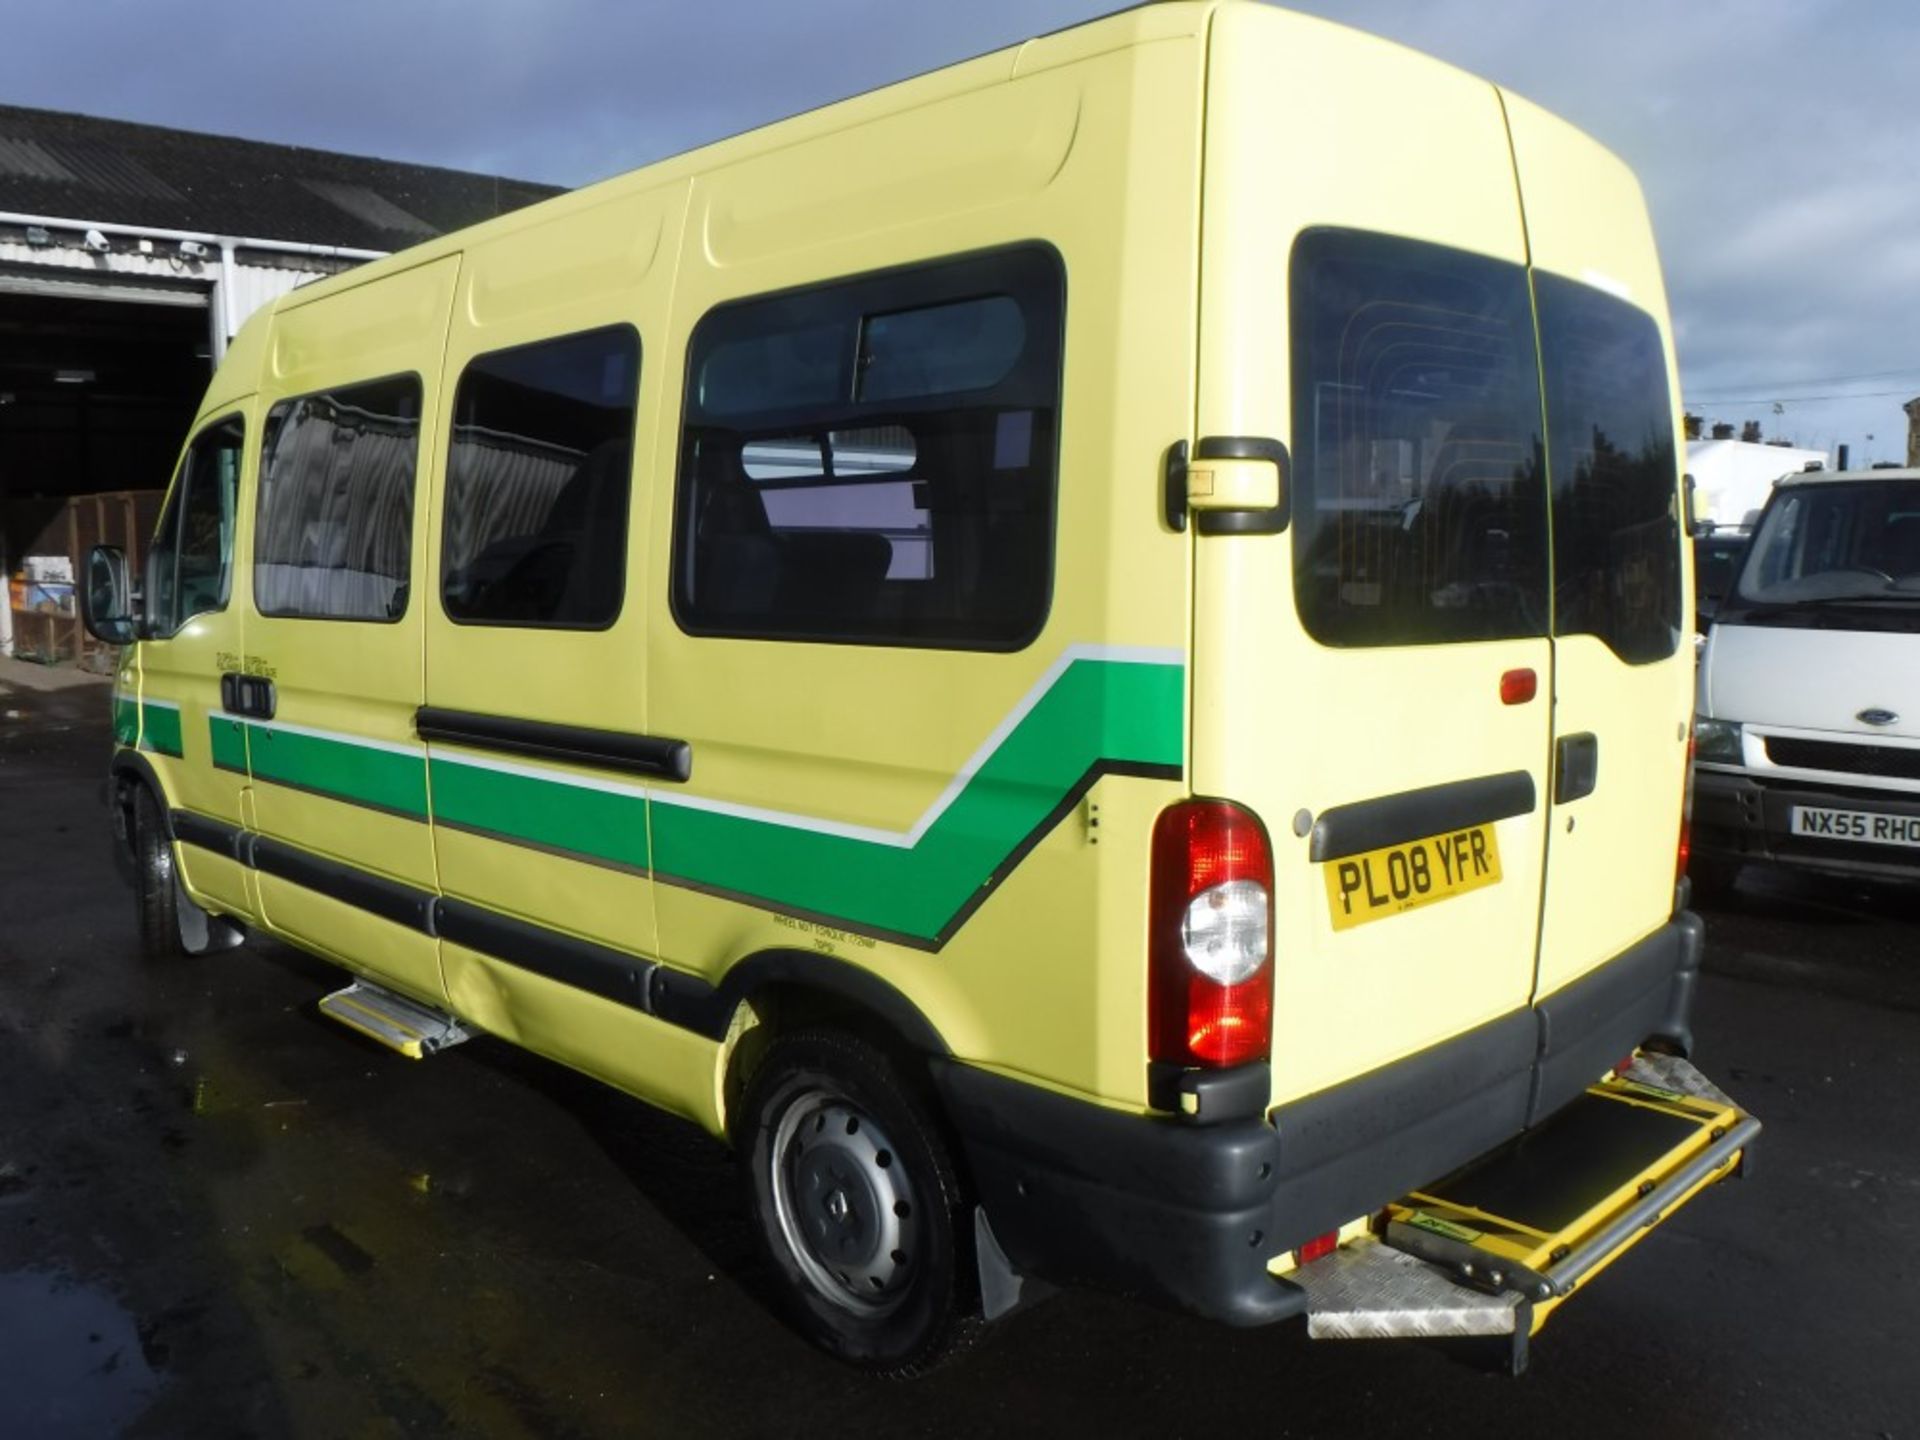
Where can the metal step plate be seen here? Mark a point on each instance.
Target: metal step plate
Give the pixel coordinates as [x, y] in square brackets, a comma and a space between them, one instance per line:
[400, 1024]
[1368, 1291]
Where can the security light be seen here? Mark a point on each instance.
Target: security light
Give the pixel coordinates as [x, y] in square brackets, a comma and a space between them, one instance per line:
[37, 235]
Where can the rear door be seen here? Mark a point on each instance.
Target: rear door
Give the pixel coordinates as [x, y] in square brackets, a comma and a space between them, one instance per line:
[1622, 677]
[1367, 679]
[345, 858]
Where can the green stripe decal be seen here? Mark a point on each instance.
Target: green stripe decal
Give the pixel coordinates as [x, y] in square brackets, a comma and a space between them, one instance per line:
[126, 719]
[1096, 712]
[607, 826]
[1092, 714]
[160, 729]
[340, 767]
[229, 740]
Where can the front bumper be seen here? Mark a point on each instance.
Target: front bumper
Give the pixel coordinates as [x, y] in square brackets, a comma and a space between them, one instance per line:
[1740, 817]
[1191, 1215]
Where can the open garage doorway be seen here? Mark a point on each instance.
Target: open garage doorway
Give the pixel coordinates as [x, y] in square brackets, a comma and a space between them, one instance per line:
[98, 384]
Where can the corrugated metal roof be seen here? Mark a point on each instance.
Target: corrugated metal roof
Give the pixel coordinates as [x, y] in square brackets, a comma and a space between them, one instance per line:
[115, 172]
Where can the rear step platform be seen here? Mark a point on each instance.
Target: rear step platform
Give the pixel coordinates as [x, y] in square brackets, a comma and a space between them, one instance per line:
[413, 1029]
[1494, 1248]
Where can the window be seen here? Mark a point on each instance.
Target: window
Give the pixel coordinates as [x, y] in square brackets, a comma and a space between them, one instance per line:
[334, 537]
[537, 483]
[190, 567]
[1419, 507]
[1844, 553]
[874, 460]
[1610, 451]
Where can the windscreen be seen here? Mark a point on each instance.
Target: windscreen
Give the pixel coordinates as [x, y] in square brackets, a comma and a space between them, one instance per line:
[1847, 549]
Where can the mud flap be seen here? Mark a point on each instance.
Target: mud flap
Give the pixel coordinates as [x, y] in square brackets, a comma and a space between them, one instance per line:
[1496, 1247]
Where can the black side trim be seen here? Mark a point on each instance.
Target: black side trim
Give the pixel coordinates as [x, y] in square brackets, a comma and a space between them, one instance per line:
[650, 755]
[1644, 992]
[1414, 814]
[598, 969]
[377, 895]
[1173, 486]
[1269, 521]
[693, 1004]
[210, 834]
[1349, 1149]
[1241, 1093]
[1142, 1205]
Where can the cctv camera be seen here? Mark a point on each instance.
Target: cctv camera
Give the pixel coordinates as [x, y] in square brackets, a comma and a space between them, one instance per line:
[194, 250]
[96, 241]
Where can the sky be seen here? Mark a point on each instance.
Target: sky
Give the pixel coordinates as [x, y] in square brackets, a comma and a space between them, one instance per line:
[1776, 139]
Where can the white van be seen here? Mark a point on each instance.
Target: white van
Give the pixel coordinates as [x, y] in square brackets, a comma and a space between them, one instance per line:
[1808, 736]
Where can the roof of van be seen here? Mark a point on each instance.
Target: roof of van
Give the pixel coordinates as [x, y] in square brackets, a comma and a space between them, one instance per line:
[1834, 477]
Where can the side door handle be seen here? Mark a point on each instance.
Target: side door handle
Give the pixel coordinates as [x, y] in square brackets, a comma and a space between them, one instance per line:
[1576, 766]
[249, 695]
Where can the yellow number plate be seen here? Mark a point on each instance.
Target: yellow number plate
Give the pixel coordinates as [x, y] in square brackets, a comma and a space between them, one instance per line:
[1401, 877]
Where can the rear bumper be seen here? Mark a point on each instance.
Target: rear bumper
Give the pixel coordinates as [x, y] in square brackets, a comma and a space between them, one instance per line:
[1191, 1215]
[1740, 817]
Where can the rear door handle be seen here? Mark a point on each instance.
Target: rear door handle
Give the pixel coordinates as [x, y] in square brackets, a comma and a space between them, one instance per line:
[249, 695]
[1576, 767]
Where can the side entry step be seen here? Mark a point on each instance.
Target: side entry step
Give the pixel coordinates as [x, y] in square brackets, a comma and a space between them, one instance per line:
[413, 1029]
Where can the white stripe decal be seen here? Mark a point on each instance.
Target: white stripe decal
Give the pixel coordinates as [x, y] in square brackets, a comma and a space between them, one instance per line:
[418, 752]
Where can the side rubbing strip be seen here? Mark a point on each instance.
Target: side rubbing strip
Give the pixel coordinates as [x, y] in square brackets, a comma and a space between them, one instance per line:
[609, 749]
[377, 895]
[579, 963]
[210, 834]
[1414, 814]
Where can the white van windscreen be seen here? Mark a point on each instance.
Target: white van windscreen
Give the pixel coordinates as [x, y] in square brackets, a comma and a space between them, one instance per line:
[1419, 507]
[1842, 555]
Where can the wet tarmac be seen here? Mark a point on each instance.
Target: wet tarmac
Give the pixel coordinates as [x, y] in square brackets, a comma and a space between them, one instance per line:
[221, 1215]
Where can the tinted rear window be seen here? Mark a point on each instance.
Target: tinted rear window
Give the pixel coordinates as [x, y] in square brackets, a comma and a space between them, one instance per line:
[1616, 508]
[1419, 509]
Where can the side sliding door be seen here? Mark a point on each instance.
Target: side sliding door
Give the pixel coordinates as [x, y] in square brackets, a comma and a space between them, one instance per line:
[345, 851]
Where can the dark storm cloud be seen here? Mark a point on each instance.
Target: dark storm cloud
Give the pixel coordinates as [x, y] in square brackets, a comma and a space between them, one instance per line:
[1773, 137]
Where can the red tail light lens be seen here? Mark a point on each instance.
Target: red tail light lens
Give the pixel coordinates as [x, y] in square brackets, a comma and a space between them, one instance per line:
[1210, 952]
[1685, 848]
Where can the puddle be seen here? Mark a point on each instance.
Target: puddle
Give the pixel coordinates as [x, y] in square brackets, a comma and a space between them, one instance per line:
[71, 1361]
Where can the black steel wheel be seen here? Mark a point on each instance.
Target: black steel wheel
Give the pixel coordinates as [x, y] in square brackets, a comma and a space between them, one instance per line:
[857, 1205]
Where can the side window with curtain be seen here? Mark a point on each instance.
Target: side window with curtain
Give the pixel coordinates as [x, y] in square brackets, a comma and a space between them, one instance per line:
[1420, 509]
[873, 461]
[1616, 477]
[333, 538]
[537, 483]
[190, 567]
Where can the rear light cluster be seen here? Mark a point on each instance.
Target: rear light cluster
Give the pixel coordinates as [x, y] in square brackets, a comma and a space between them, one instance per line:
[1210, 955]
[1685, 848]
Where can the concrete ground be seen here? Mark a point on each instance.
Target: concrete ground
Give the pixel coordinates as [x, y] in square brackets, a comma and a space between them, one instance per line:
[222, 1216]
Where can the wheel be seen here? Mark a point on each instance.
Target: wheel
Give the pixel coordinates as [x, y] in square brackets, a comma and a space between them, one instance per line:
[156, 883]
[1712, 877]
[171, 925]
[857, 1205]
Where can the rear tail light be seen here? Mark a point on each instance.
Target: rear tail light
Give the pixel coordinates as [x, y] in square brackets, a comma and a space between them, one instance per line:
[1315, 1248]
[1685, 848]
[1210, 952]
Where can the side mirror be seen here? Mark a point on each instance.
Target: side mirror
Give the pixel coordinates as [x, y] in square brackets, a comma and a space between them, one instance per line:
[106, 600]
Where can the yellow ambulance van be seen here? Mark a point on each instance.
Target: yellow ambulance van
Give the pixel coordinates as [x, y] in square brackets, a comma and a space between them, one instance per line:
[1084, 655]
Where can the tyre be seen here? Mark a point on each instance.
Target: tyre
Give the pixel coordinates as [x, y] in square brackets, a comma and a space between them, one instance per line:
[857, 1205]
[171, 925]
